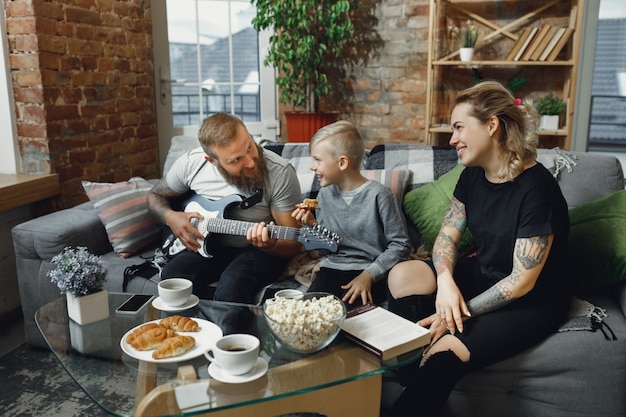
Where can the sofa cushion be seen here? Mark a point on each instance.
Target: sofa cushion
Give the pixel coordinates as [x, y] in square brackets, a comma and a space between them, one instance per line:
[583, 176]
[426, 206]
[394, 179]
[597, 242]
[123, 209]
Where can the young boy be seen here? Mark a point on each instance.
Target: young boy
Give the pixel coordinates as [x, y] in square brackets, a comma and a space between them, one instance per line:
[365, 213]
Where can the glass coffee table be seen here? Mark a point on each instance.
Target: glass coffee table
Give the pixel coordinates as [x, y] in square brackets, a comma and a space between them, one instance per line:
[342, 379]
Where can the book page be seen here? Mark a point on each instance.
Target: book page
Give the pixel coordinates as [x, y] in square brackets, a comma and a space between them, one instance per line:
[382, 329]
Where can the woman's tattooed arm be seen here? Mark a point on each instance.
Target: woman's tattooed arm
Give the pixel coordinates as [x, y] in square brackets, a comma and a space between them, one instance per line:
[530, 253]
[454, 223]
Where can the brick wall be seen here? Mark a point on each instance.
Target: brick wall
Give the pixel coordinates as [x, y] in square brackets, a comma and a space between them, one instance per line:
[82, 77]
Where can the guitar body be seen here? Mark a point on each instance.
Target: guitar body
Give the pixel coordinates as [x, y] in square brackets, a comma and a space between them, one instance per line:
[214, 221]
[209, 209]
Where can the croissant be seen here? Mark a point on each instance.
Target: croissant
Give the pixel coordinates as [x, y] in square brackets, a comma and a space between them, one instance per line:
[173, 346]
[150, 339]
[139, 330]
[180, 324]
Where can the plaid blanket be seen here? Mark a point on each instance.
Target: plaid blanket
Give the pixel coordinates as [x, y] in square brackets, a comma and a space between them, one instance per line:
[425, 163]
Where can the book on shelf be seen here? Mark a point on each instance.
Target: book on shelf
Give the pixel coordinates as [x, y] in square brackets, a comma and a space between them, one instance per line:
[560, 44]
[555, 39]
[530, 37]
[544, 42]
[383, 332]
[518, 44]
[534, 44]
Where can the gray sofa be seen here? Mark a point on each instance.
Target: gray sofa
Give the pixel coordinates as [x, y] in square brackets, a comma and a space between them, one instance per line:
[572, 373]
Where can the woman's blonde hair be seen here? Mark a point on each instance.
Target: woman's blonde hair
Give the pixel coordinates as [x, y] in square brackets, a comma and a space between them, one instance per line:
[343, 139]
[518, 141]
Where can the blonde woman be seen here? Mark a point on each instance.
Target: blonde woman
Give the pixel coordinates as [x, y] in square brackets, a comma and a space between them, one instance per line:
[512, 292]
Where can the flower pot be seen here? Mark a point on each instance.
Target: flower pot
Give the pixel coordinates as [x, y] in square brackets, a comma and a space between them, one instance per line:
[302, 126]
[466, 54]
[88, 308]
[549, 123]
[91, 338]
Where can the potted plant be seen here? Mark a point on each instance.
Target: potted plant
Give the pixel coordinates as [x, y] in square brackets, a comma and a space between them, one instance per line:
[306, 44]
[80, 275]
[467, 36]
[550, 107]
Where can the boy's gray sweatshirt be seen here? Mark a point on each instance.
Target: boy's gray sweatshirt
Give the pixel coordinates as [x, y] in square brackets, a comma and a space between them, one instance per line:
[372, 227]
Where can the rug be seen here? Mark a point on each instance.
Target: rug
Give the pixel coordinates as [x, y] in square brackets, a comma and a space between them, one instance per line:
[33, 383]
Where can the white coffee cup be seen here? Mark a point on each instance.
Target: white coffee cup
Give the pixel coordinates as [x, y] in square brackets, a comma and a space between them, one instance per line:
[289, 293]
[175, 291]
[235, 354]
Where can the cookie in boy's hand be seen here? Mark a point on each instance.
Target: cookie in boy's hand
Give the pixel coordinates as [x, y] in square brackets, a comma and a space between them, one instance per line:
[308, 204]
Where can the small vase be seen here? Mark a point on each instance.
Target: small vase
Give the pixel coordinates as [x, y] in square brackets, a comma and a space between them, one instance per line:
[549, 123]
[91, 338]
[466, 54]
[88, 308]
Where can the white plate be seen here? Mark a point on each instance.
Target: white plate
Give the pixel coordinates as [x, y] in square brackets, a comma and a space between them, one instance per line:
[160, 305]
[206, 336]
[257, 372]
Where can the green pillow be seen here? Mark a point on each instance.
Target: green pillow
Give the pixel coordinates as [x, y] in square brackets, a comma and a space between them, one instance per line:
[427, 205]
[597, 242]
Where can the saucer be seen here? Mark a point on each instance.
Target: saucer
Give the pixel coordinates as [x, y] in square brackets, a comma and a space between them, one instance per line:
[160, 305]
[257, 372]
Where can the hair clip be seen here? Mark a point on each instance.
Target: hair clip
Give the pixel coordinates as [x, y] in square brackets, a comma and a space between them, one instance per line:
[517, 101]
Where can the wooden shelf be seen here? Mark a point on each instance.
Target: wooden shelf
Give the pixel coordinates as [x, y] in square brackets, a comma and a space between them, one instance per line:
[505, 63]
[21, 189]
[500, 26]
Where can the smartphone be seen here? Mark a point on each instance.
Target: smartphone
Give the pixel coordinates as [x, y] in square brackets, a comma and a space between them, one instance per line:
[134, 304]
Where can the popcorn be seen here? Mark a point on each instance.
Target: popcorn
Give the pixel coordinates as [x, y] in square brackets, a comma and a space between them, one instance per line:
[305, 325]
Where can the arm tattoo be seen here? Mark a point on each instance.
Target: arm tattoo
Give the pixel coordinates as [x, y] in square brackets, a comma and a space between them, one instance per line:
[455, 216]
[444, 252]
[495, 297]
[529, 253]
[158, 202]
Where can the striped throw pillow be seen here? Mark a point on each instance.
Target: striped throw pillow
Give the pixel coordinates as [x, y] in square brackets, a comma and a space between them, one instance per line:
[123, 210]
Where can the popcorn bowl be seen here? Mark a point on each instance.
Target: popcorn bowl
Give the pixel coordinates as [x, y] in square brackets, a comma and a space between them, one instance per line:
[305, 325]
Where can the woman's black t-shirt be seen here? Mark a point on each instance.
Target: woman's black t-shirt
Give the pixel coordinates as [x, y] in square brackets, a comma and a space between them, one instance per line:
[498, 214]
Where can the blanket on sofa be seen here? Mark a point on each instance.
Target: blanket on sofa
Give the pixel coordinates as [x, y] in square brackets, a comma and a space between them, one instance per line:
[583, 315]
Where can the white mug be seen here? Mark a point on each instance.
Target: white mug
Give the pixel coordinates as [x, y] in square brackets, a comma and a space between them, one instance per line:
[235, 354]
[175, 291]
[289, 293]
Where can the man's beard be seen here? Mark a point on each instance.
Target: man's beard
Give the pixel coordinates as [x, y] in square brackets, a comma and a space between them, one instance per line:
[244, 183]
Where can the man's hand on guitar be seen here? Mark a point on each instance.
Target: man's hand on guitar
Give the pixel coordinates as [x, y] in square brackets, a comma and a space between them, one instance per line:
[259, 236]
[183, 227]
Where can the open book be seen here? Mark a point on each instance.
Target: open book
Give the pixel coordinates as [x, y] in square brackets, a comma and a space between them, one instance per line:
[384, 333]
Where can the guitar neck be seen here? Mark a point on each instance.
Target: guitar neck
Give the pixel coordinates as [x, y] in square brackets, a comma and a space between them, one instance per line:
[240, 228]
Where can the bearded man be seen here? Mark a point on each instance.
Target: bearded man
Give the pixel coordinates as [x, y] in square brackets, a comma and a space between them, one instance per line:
[229, 163]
